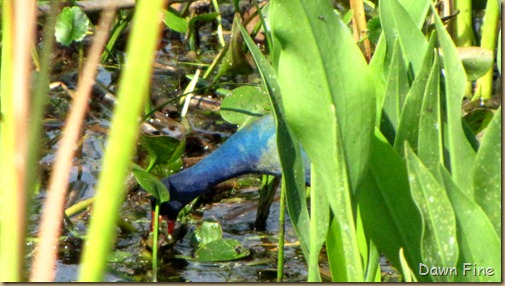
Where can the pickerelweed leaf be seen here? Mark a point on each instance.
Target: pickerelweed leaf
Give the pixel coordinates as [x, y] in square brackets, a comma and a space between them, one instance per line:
[487, 177]
[391, 103]
[71, 25]
[330, 109]
[438, 243]
[479, 245]
[430, 145]
[461, 154]
[408, 127]
[397, 24]
[390, 216]
[289, 150]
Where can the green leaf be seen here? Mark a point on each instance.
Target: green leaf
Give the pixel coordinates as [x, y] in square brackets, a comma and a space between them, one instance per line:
[207, 232]
[151, 184]
[461, 154]
[438, 244]
[71, 25]
[430, 146]
[244, 104]
[417, 10]
[389, 214]
[234, 59]
[397, 24]
[396, 90]
[330, 109]
[478, 242]
[221, 250]
[175, 21]
[289, 150]
[487, 177]
[162, 149]
[408, 127]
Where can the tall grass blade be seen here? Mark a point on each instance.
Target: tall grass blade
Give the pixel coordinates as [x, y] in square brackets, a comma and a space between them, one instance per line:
[18, 35]
[133, 89]
[45, 257]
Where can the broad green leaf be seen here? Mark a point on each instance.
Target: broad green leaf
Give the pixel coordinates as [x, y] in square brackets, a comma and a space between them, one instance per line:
[430, 146]
[390, 216]
[175, 21]
[318, 84]
[151, 184]
[397, 24]
[221, 250]
[461, 154]
[487, 177]
[289, 151]
[408, 127]
[162, 149]
[325, 101]
[417, 10]
[438, 244]
[207, 232]
[71, 25]
[478, 242]
[396, 90]
[244, 104]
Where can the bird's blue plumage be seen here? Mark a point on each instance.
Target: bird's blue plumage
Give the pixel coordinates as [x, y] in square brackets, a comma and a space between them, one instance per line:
[252, 150]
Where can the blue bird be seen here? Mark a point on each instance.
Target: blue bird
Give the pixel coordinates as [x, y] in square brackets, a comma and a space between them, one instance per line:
[252, 150]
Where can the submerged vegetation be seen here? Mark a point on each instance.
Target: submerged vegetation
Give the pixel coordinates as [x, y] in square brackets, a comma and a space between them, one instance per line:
[396, 103]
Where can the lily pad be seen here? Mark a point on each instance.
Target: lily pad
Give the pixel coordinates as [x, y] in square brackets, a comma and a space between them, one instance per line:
[71, 25]
[243, 104]
[221, 250]
[207, 232]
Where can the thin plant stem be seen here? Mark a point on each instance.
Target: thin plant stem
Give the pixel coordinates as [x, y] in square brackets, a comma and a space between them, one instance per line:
[282, 229]
[155, 241]
[219, 24]
[484, 88]
[45, 257]
[463, 33]
[133, 90]
[18, 35]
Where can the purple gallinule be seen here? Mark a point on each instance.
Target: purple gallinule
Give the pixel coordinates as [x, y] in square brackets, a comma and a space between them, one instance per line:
[252, 150]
